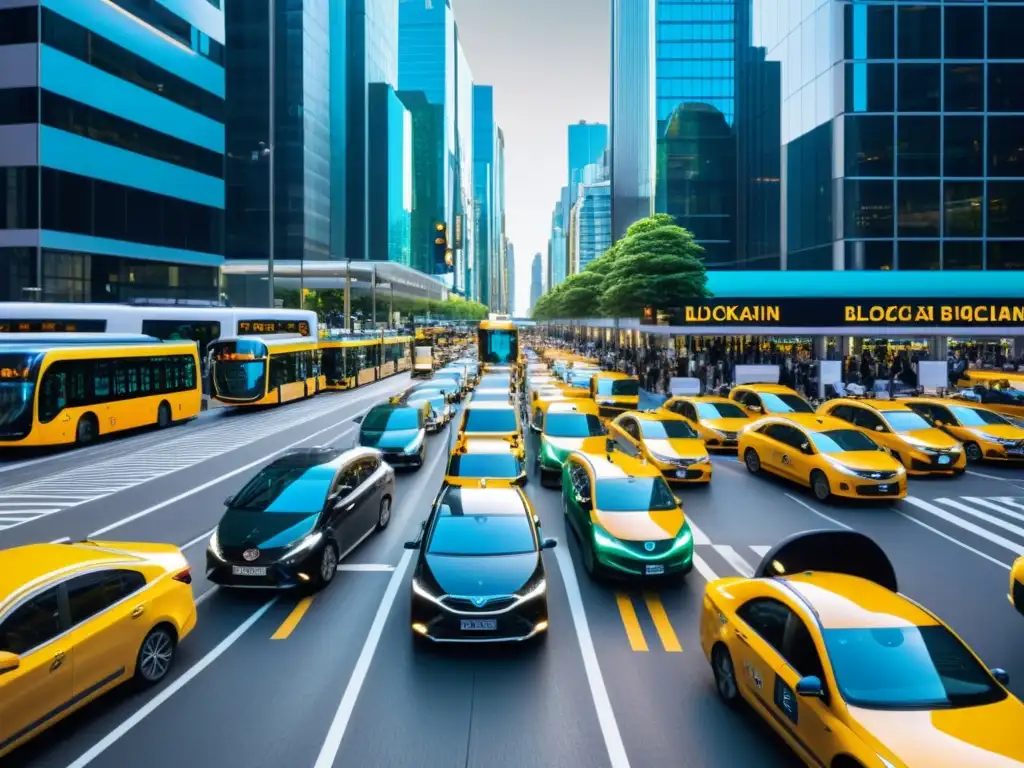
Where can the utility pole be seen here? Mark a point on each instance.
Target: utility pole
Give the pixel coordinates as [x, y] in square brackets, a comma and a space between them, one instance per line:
[272, 39]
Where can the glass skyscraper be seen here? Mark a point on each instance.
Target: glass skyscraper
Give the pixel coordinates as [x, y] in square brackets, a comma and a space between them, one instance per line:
[111, 150]
[587, 143]
[465, 237]
[389, 189]
[485, 183]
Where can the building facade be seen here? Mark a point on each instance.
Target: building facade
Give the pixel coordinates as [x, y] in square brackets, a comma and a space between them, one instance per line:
[594, 222]
[536, 279]
[587, 142]
[500, 240]
[111, 150]
[485, 185]
[465, 238]
[510, 278]
[389, 186]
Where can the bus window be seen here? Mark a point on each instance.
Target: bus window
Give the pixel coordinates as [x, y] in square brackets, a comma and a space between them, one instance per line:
[240, 369]
[498, 347]
[17, 393]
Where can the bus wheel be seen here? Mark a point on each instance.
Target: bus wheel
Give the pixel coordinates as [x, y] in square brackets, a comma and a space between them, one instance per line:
[163, 416]
[87, 430]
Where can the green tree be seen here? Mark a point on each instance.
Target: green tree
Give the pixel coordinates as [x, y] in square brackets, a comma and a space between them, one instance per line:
[580, 294]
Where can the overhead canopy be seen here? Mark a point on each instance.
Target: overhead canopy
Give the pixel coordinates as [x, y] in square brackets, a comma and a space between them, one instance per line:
[331, 275]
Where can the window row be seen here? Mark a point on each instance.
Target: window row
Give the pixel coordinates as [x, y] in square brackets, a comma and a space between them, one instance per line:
[925, 145]
[674, 32]
[920, 87]
[80, 383]
[918, 31]
[695, 68]
[700, 51]
[690, 11]
[157, 15]
[19, 25]
[932, 209]
[928, 255]
[289, 367]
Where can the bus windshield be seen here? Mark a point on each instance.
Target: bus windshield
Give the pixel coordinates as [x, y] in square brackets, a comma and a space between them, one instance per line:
[240, 369]
[17, 391]
[499, 347]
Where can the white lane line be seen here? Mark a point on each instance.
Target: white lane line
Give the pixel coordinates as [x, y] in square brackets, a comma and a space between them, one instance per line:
[61, 540]
[977, 530]
[1009, 501]
[197, 539]
[983, 516]
[220, 479]
[733, 558]
[367, 567]
[809, 508]
[212, 590]
[985, 503]
[947, 537]
[699, 537]
[598, 691]
[1008, 480]
[703, 568]
[172, 688]
[761, 550]
[25, 504]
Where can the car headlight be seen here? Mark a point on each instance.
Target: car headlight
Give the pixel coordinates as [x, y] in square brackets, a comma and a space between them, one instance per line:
[885, 763]
[215, 546]
[533, 592]
[419, 589]
[683, 540]
[604, 540]
[840, 467]
[304, 545]
[1001, 440]
[415, 444]
[664, 459]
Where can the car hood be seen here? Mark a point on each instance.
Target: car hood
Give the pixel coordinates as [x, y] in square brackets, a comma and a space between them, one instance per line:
[880, 461]
[989, 735]
[725, 425]
[485, 575]
[677, 448]
[564, 445]
[263, 530]
[932, 437]
[394, 438]
[642, 526]
[1003, 431]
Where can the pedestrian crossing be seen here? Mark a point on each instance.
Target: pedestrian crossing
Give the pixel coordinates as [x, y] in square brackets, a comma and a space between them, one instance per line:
[974, 520]
[34, 499]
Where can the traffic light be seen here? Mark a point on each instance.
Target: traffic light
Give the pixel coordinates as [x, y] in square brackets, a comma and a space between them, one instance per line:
[442, 252]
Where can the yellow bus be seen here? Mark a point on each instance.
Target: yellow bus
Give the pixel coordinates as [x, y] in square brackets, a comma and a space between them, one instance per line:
[265, 370]
[57, 395]
[396, 355]
[498, 343]
[350, 361]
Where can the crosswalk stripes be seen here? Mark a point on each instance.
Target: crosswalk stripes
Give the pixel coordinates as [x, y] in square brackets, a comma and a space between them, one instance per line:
[998, 520]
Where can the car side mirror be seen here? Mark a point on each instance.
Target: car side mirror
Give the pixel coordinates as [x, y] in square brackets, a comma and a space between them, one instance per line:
[412, 545]
[228, 500]
[343, 492]
[549, 544]
[810, 687]
[755, 408]
[1001, 675]
[879, 428]
[609, 445]
[806, 448]
[11, 661]
[678, 499]
[358, 419]
[520, 481]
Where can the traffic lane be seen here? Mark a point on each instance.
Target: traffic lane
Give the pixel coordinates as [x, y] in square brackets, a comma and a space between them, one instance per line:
[80, 521]
[219, 617]
[663, 697]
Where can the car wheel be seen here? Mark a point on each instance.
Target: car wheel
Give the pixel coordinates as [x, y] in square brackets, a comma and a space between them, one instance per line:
[384, 516]
[973, 452]
[328, 566]
[725, 675]
[86, 431]
[163, 416]
[156, 655]
[752, 461]
[820, 486]
[590, 564]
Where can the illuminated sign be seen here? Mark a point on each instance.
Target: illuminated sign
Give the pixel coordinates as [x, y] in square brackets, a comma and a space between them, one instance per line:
[457, 239]
[53, 326]
[20, 374]
[249, 327]
[235, 356]
[833, 313]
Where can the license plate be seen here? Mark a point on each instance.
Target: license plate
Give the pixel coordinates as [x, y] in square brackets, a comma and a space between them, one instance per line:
[248, 570]
[680, 473]
[1015, 451]
[943, 459]
[883, 487]
[654, 570]
[478, 625]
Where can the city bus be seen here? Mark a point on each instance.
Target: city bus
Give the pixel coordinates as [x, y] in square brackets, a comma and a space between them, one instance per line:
[498, 342]
[265, 370]
[396, 354]
[350, 360]
[54, 393]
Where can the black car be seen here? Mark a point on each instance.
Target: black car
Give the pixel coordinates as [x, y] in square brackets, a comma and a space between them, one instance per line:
[398, 430]
[299, 516]
[479, 576]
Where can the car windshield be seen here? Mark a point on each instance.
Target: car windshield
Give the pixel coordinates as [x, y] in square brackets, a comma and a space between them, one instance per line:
[477, 535]
[905, 421]
[719, 411]
[490, 420]
[386, 418]
[503, 466]
[669, 429]
[907, 668]
[436, 402]
[618, 387]
[842, 440]
[491, 396]
[494, 382]
[634, 494]
[785, 403]
[284, 488]
[573, 425]
[975, 417]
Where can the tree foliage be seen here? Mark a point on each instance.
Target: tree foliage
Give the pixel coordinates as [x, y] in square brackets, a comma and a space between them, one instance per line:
[656, 264]
[322, 302]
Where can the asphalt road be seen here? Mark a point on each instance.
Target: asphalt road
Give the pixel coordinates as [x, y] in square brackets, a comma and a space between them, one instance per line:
[621, 681]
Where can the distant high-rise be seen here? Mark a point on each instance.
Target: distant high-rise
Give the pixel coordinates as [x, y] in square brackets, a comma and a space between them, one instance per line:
[536, 279]
[464, 242]
[587, 143]
[485, 191]
[510, 278]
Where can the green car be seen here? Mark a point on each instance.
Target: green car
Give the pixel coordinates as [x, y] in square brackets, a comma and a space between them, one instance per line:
[568, 427]
[625, 517]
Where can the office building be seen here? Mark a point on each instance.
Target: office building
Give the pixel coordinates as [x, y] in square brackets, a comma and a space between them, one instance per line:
[632, 129]
[509, 300]
[900, 134]
[297, 145]
[558, 252]
[464, 239]
[389, 186]
[502, 244]
[428, 171]
[111, 150]
[593, 216]
[536, 279]
[587, 143]
[485, 185]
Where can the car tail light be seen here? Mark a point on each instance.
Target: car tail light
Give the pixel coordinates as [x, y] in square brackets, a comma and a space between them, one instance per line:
[184, 576]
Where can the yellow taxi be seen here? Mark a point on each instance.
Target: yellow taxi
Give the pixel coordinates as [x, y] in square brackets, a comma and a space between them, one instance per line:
[624, 515]
[848, 671]
[568, 425]
[824, 454]
[77, 620]
[985, 434]
[718, 420]
[769, 400]
[540, 400]
[1006, 399]
[1016, 593]
[667, 441]
[615, 393]
[485, 463]
[578, 379]
[920, 447]
[494, 420]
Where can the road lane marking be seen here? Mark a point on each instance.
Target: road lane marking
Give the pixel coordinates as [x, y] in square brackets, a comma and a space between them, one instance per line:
[197, 539]
[1014, 529]
[617, 756]
[371, 567]
[1017, 549]
[699, 537]
[631, 623]
[667, 635]
[172, 688]
[61, 540]
[213, 588]
[809, 508]
[947, 537]
[1008, 480]
[292, 620]
[733, 558]
[702, 567]
[992, 505]
[760, 550]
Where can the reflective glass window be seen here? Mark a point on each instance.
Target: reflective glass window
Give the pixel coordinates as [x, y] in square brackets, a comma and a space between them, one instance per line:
[1005, 255]
[919, 87]
[19, 198]
[918, 145]
[868, 208]
[1005, 23]
[965, 32]
[869, 145]
[1006, 146]
[1006, 87]
[869, 254]
[962, 254]
[919, 32]
[1006, 209]
[918, 208]
[964, 139]
[965, 88]
[18, 105]
[870, 32]
[964, 212]
[18, 25]
[870, 87]
[919, 254]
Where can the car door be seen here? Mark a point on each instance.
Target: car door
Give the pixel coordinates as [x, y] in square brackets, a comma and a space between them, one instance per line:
[872, 423]
[627, 436]
[43, 684]
[578, 512]
[371, 485]
[797, 458]
[757, 640]
[341, 514]
[775, 440]
[108, 622]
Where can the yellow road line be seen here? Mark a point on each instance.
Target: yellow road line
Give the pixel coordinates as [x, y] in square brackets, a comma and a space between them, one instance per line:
[662, 624]
[289, 624]
[631, 623]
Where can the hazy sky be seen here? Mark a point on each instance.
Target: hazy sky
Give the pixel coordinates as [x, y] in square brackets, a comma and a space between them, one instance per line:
[548, 61]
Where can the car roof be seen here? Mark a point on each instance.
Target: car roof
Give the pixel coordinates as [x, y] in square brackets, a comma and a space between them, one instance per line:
[654, 415]
[574, 405]
[21, 566]
[619, 466]
[841, 601]
[489, 406]
[768, 389]
[810, 422]
[460, 500]
[307, 457]
[614, 375]
[880, 405]
[394, 407]
[487, 445]
[703, 399]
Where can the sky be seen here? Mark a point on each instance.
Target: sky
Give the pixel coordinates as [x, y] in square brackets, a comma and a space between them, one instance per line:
[548, 61]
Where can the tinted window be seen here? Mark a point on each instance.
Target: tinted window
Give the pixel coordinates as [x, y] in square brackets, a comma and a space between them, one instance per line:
[573, 425]
[634, 494]
[800, 650]
[386, 418]
[785, 404]
[18, 25]
[482, 535]
[32, 624]
[975, 417]
[907, 668]
[618, 387]
[866, 419]
[768, 618]
[905, 421]
[667, 430]
[94, 592]
[287, 489]
[918, 87]
[720, 411]
[497, 465]
[840, 440]
[486, 420]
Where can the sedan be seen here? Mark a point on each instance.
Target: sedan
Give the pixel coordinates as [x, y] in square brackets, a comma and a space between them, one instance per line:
[398, 430]
[441, 411]
[479, 575]
[299, 517]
